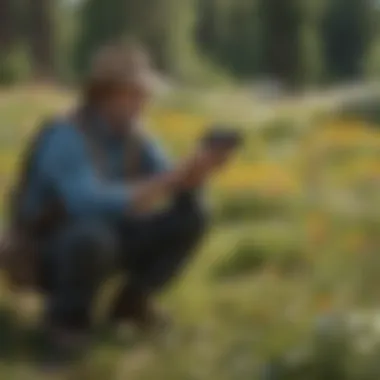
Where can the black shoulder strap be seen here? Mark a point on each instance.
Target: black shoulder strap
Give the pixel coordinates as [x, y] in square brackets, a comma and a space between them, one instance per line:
[79, 120]
[133, 147]
[25, 168]
[133, 155]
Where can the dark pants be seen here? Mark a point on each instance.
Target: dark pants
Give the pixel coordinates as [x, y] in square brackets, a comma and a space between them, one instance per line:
[151, 250]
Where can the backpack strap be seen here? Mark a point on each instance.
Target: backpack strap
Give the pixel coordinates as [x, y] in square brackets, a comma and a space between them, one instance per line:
[133, 148]
[20, 244]
[26, 166]
[133, 154]
[80, 121]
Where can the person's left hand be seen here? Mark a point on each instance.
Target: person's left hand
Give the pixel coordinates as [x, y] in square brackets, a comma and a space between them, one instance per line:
[216, 158]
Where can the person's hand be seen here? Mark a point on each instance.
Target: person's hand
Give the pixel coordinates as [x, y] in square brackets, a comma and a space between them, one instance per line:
[198, 168]
[215, 158]
[191, 173]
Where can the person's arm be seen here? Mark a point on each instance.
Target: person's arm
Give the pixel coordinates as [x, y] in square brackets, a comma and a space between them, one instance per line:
[156, 160]
[67, 165]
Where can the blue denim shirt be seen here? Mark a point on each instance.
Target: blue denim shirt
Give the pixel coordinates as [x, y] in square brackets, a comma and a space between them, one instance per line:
[63, 164]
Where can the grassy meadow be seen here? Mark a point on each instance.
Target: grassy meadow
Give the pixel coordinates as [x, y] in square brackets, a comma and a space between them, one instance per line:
[286, 284]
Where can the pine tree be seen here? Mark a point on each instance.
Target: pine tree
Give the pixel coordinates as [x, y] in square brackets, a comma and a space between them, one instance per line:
[41, 37]
[281, 31]
[346, 35]
[7, 26]
[104, 22]
[164, 26]
[229, 33]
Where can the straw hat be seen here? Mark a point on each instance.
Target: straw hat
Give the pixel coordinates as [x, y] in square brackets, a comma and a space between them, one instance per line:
[122, 64]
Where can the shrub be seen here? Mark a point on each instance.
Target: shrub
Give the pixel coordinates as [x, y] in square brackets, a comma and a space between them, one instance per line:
[250, 256]
[252, 206]
[246, 258]
[367, 110]
[14, 67]
[280, 130]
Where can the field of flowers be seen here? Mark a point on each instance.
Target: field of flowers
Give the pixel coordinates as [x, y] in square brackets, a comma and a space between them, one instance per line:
[287, 283]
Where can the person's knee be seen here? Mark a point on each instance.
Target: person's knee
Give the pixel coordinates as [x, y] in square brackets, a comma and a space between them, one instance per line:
[194, 220]
[95, 237]
[91, 247]
[187, 234]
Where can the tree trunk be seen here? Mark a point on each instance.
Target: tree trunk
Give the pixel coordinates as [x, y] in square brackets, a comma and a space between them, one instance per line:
[41, 38]
[282, 40]
[7, 27]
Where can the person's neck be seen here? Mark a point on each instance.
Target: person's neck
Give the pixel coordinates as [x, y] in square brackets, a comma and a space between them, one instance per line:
[107, 120]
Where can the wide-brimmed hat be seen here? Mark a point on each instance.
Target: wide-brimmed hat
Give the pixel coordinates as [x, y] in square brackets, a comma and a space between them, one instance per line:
[121, 65]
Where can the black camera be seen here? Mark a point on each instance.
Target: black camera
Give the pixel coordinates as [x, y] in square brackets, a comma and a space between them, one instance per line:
[220, 136]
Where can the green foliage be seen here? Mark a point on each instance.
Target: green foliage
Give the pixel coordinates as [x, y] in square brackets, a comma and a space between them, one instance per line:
[230, 34]
[341, 348]
[280, 130]
[230, 328]
[312, 61]
[373, 62]
[299, 43]
[66, 22]
[247, 258]
[14, 67]
[281, 27]
[7, 333]
[252, 206]
[367, 110]
[346, 34]
[275, 244]
[164, 26]
[100, 24]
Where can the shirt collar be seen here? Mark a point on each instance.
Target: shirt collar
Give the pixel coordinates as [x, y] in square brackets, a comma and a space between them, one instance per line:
[102, 127]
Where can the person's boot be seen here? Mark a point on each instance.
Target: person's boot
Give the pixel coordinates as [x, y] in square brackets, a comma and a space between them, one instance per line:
[135, 307]
[63, 348]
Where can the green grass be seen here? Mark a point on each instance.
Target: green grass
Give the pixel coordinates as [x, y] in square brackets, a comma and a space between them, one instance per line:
[251, 297]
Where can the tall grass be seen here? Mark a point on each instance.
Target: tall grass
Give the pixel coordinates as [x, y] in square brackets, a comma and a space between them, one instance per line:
[291, 256]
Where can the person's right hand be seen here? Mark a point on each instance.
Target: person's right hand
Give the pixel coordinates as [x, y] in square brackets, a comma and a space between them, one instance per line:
[197, 168]
[191, 173]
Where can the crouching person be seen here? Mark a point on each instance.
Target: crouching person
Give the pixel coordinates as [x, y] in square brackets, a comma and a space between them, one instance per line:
[85, 198]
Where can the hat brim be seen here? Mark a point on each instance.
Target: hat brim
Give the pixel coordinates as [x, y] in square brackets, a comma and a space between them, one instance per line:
[145, 81]
[149, 82]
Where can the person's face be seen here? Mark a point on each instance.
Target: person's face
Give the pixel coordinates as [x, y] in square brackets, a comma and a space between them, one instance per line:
[127, 104]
